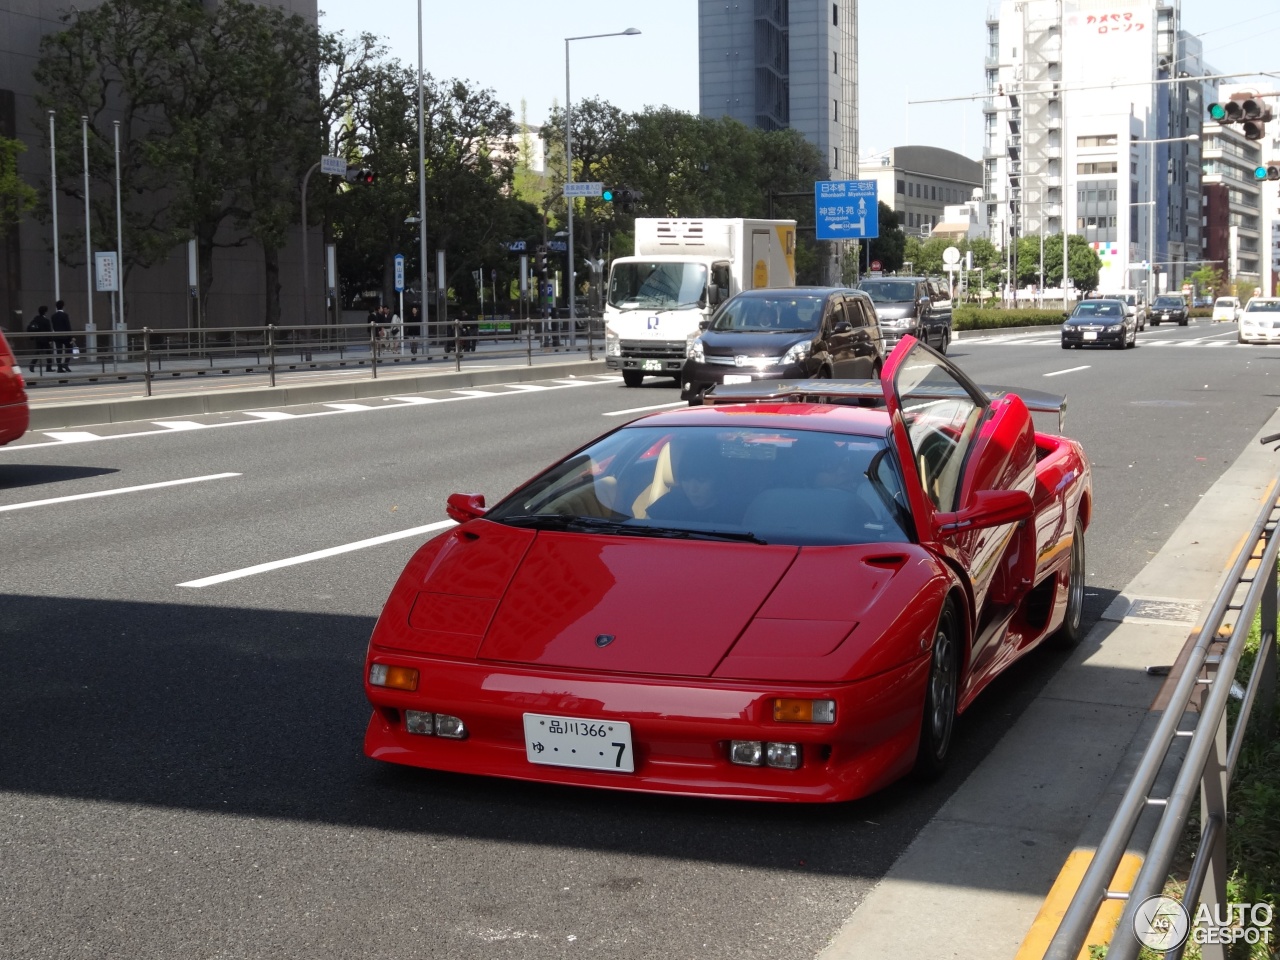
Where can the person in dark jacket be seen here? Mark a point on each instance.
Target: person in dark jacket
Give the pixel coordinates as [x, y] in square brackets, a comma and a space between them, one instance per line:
[40, 324]
[62, 344]
[413, 327]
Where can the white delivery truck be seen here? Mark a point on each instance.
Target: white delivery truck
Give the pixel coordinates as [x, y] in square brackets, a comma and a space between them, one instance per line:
[682, 270]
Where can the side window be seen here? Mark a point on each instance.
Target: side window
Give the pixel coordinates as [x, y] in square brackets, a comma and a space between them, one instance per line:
[837, 313]
[942, 420]
[857, 316]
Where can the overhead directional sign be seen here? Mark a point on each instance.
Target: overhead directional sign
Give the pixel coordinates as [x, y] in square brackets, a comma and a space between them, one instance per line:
[846, 209]
[588, 189]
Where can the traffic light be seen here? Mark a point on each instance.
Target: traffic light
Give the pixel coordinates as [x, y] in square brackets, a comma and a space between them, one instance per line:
[1246, 108]
[361, 175]
[628, 198]
[607, 196]
[1270, 171]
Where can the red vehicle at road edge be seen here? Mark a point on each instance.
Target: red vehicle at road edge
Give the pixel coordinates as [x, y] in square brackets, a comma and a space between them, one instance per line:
[15, 415]
[760, 668]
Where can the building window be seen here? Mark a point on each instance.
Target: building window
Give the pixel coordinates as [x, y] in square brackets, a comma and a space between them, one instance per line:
[902, 186]
[835, 14]
[835, 163]
[1107, 166]
[1108, 140]
[933, 193]
[835, 62]
[835, 110]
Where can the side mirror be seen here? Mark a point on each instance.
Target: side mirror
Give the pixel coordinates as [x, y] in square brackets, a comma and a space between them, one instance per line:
[462, 507]
[844, 326]
[1065, 316]
[990, 508]
[704, 323]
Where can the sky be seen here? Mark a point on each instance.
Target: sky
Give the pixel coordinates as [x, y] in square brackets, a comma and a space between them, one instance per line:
[912, 50]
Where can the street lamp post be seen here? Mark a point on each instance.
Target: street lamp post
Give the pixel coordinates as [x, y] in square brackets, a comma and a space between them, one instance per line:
[422, 195]
[1151, 201]
[568, 152]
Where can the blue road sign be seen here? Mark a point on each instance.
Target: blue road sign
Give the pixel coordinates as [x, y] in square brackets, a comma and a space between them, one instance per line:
[846, 209]
[399, 272]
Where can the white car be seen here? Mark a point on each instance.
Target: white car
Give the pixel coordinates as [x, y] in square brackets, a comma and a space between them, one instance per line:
[1226, 308]
[1260, 321]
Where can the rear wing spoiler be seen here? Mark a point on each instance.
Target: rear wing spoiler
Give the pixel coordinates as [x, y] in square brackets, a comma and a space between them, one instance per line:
[867, 393]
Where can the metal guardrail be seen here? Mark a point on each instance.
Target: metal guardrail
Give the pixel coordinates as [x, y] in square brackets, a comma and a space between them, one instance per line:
[1207, 767]
[150, 353]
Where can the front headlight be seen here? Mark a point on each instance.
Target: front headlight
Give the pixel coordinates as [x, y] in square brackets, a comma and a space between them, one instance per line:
[612, 344]
[693, 350]
[797, 353]
[1112, 327]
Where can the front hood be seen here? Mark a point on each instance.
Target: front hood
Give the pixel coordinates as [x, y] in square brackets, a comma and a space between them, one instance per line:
[1098, 322]
[672, 608]
[726, 344]
[896, 310]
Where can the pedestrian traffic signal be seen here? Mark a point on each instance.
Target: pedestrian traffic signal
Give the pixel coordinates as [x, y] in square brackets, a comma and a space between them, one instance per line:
[1270, 171]
[362, 175]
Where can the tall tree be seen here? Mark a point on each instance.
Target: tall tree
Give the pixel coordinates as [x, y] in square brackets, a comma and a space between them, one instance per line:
[16, 195]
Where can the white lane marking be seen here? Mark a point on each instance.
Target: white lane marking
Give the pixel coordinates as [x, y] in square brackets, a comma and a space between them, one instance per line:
[316, 555]
[478, 394]
[64, 436]
[180, 424]
[1058, 373]
[656, 406]
[525, 387]
[271, 415]
[112, 493]
[348, 407]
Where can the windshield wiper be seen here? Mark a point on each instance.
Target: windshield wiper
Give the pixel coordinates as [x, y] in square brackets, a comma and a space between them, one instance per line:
[622, 526]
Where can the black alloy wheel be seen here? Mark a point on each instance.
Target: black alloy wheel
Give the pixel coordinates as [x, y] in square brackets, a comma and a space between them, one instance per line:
[942, 691]
[1072, 632]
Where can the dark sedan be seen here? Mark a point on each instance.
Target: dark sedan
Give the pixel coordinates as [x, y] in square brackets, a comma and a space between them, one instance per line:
[1099, 323]
[796, 332]
[1169, 308]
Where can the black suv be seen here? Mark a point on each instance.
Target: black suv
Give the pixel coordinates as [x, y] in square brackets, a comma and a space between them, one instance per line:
[1169, 307]
[919, 306]
[796, 332]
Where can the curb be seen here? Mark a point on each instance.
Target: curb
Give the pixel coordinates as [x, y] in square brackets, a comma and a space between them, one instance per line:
[55, 416]
[1005, 331]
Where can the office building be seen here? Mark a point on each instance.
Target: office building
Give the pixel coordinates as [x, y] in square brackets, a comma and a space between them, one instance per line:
[1075, 89]
[158, 296]
[777, 64]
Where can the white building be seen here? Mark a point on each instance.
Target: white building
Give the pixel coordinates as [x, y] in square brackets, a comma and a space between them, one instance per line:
[1075, 86]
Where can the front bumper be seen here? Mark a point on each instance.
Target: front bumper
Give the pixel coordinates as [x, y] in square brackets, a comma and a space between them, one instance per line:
[1256, 334]
[1076, 337]
[658, 357]
[696, 378]
[680, 729]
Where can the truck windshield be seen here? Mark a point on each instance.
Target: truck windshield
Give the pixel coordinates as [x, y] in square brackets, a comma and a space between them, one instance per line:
[657, 286]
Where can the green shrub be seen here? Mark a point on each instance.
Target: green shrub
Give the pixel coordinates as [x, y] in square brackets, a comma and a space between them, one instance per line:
[990, 318]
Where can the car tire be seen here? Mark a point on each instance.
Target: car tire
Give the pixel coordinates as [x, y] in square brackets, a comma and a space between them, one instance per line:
[941, 694]
[632, 378]
[875, 371]
[1072, 630]
[1066, 346]
[1155, 323]
[1134, 342]
[945, 343]
[1182, 323]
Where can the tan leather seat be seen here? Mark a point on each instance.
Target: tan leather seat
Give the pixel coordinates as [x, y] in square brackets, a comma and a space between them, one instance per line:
[658, 487]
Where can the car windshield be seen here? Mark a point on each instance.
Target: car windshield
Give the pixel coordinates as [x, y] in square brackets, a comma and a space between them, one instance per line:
[1170, 302]
[1263, 306]
[889, 291]
[752, 485]
[771, 314]
[1226, 302]
[657, 285]
[1097, 308]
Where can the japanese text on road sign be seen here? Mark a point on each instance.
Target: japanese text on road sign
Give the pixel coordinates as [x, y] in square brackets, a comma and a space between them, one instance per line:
[846, 209]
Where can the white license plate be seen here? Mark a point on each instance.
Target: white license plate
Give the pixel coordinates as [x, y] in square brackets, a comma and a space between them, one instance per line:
[1090, 336]
[1163, 316]
[736, 378]
[578, 742]
[650, 364]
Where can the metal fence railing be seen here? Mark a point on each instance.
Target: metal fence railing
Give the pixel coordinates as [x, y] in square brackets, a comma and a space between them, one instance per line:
[1206, 768]
[149, 353]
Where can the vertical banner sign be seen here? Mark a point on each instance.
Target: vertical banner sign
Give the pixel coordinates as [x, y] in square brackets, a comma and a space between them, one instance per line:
[105, 269]
[846, 209]
[193, 267]
[331, 268]
[399, 273]
[524, 275]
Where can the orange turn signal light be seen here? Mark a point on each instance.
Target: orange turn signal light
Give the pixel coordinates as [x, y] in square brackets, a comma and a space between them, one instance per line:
[397, 678]
[804, 711]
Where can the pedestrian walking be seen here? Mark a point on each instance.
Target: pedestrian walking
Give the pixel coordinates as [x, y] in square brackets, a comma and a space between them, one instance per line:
[63, 342]
[470, 334]
[40, 324]
[413, 327]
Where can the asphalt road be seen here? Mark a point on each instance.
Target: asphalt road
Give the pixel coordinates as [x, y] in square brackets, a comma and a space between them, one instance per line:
[180, 766]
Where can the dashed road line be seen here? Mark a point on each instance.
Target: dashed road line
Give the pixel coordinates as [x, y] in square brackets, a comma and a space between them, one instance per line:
[111, 493]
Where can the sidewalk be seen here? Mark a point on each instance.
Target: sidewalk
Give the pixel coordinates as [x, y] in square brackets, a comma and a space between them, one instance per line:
[971, 884]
